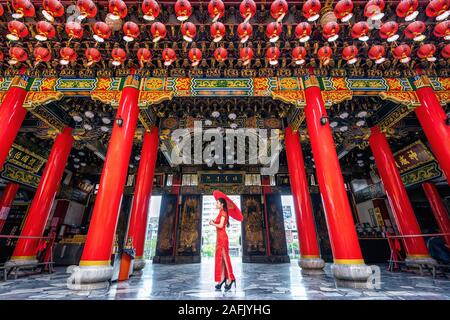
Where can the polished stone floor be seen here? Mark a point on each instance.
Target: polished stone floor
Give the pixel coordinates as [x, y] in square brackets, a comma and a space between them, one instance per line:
[254, 281]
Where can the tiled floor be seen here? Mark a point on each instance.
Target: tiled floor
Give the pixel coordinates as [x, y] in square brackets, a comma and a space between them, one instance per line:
[254, 281]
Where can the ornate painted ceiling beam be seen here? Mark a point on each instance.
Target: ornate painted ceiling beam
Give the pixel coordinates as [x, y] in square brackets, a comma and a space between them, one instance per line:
[289, 89]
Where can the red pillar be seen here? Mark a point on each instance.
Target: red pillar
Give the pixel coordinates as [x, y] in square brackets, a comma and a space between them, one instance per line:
[309, 247]
[348, 260]
[36, 219]
[6, 202]
[438, 208]
[12, 114]
[142, 196]
[432, 118]
[398, 198]
[95, 265]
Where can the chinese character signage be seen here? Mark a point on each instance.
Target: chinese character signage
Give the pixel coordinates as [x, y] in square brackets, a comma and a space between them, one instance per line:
[412, 156]
[221, 178]
[25, 159]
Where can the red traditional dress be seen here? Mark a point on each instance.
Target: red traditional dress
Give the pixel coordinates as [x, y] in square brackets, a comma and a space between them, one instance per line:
[222, 254]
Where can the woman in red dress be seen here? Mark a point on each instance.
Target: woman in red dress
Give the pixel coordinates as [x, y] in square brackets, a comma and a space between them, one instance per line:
[223, 269]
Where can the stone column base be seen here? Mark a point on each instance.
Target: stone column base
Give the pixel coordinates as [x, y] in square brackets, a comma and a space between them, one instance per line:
[139, 264]
[90, 277]
[415, 261]
[311, 263]
[20, 262]
[351, 272]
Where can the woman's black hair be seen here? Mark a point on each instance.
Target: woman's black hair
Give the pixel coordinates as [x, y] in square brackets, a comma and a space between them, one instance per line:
[225, 208]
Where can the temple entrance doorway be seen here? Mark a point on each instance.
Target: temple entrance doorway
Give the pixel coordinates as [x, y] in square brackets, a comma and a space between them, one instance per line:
[209, 212]
[152, 228]
[290, 226]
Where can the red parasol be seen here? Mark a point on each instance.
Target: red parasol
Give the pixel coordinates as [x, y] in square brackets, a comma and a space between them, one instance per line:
[233, 209]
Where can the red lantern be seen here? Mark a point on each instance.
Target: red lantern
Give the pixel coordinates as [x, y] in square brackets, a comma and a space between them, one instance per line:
[119, 55]
[388, 30]
[244, 31]
[74, 30]
[445, 52]
[52, 9]
[377, 53]
[41, 54]
[102, 31]
[330, 31]
[130, 31]
[427, 51]
[273, 31]
[44, 31]
[17, 54]
[349, 54]
[216, 9]
[325, 54]
[442, 29]
[344, 10]
[438, 9]
[158, 31]
[407, 9]
[183, 10]
[23, 8]
[299, 54]
[360, 31]
[247, 9]
[311, 9]
[2, 11]
[402, 53]
[217, 31]
[169, 56]
[144, 55]
[303, 31]
[117, 9]
[87, 9]
[273, 53]
[188, 29]
[374, 9]
[1, 56]
[278, 9]
[150, 9]
[415, 31]
[221, 54]
[246, 55]
[195, 55]
[17, 30]
[92, 56]
[67, 55]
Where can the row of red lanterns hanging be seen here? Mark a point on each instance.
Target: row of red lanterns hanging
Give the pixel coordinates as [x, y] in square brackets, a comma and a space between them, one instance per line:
[377, 53]
[102, 31]
[407, 9]
[216, 8]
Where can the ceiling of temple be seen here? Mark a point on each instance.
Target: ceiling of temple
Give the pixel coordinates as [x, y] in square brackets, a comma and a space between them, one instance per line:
[220, 39]
[202, 38]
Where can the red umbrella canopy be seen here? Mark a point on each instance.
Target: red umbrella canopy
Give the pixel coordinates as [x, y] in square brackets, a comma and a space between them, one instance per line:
[233, 210]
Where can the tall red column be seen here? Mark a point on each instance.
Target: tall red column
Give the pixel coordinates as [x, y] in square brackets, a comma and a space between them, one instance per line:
[142, 196]
[348, 260]
[406, 221]
[432, 118]
[6, 202]
[12, 114]
[309, 247]
[438, 208]
[36, 219]
[95, 266]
